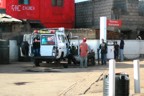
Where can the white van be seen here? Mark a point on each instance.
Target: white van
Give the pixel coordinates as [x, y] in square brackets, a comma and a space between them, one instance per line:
[53, 45]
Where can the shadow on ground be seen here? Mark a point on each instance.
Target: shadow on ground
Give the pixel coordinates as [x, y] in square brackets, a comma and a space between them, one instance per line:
[28, 67]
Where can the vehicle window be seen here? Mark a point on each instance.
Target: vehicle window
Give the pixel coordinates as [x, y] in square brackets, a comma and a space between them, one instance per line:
[24, 2]
[48, 40]
[57, 2]
[61, 38]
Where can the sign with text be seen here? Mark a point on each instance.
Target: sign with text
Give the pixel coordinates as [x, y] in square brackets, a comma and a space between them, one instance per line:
[115, 23]
[3, 4]
[22, 8]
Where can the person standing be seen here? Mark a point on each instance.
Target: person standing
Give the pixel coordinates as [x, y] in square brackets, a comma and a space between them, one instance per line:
[116, 50]
[83, 53]
[36, 46]
[103, 48]
[121, 49]
[71, 51]
[25, 48]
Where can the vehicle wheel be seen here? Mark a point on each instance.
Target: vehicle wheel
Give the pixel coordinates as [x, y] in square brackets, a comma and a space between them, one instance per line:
[57, 62]
[62, 55]
[36, 62]
[65, 65]
[47, 62]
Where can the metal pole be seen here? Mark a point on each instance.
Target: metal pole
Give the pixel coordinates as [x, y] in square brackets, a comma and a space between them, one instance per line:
[136, 76]
[111, 77]
[103, 29]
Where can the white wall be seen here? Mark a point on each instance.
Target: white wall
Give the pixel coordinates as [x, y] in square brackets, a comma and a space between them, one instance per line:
[132, 48]
[141, 46]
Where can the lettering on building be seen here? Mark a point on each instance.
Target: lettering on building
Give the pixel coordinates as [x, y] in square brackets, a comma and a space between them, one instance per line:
[22, 8]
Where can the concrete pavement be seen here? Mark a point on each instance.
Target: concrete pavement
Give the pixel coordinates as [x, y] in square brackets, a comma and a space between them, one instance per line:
[124, 67]
[46, 81]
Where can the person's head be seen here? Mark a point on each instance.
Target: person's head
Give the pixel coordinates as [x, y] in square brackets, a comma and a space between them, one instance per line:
[121, 38]
[92, 50]
[114, 42]
[102, 40]
[84, 39]
[35, 31]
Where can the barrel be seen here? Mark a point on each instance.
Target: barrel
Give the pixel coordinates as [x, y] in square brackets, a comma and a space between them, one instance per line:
[4, 52]
[121, 85]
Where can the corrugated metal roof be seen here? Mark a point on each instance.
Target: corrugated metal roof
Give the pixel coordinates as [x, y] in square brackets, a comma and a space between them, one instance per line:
[4, 18]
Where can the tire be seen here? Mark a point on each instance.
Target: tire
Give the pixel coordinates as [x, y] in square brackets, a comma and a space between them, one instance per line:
[57, 62]
[62, 55]
[65, 65]
[47, 62]
[36, 62]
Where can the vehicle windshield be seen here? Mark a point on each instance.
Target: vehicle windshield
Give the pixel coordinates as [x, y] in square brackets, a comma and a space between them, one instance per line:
[61, 38]
[48, 40]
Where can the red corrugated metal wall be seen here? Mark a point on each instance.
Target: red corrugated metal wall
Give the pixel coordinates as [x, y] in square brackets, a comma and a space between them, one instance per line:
[30, 12]
[58, 16]
[50, 16]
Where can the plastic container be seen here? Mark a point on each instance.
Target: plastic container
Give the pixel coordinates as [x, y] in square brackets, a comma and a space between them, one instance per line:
[121, 85]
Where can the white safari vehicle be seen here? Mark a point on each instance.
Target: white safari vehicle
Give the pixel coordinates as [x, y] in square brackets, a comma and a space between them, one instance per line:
[53, 45]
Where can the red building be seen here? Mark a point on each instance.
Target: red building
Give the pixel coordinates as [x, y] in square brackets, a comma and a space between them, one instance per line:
[2, 4]
[51, 13]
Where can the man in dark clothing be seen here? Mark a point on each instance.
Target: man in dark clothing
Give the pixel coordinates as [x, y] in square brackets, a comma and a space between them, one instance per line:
[36, 46]
[25, 48]
[103, 48]
[71, 54]
[91, 57]
[116, 50]
[121, 49]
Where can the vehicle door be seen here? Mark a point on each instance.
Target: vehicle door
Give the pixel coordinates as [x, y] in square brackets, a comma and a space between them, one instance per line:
[62, 44]
[47, 44]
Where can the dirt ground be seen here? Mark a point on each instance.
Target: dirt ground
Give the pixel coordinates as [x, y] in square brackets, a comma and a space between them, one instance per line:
[23, 79]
